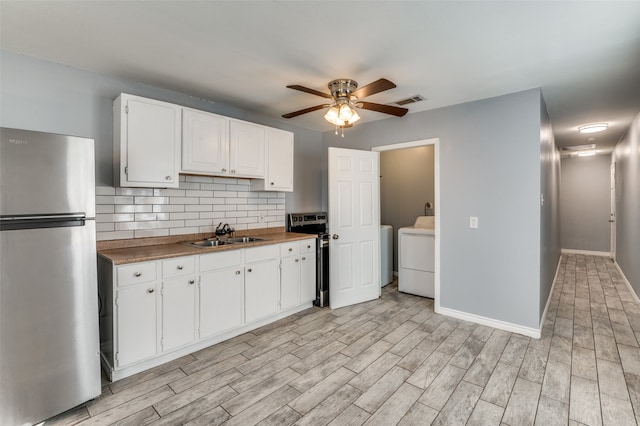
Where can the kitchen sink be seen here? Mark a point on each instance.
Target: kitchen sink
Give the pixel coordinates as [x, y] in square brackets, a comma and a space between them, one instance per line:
[243, 240]
[213, 242]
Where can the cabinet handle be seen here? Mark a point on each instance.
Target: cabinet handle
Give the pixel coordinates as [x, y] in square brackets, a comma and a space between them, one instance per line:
[290, 249]
[137, 274]
[180, 267]
[151, 290]
[233, 170]
[237, 272]
[297, 260]
[304, 258]
[272, 183]
[192, 281]
[308, 247]
[249, 270]
[224, 170]
[167, 177]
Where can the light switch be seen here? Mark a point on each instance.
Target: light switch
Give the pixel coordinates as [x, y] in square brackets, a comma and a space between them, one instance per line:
[473, 222]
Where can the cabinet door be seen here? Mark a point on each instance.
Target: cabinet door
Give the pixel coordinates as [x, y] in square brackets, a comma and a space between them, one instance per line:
[262, 289]
[308, 275]
[153, 132]
[205, 142]
[136, 316]
[289, 282]
[178, 312]
[279, 160]
[221, 301]
[246, 149]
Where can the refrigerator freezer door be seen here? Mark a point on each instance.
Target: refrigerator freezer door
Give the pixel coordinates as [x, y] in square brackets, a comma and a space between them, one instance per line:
[49, 345]
[46, 173]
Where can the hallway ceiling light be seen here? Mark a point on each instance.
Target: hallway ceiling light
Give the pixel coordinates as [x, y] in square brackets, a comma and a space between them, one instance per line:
[579, 147]
[587, 153]
[593, 128]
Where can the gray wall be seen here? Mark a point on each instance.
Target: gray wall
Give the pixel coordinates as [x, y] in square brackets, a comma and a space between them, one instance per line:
[406, 184]
[627, 158]
[489, 168]
[550, 208]
[586, 203]
[48, 97]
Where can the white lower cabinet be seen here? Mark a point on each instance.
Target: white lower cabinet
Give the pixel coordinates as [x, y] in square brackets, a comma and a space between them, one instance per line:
[137, 312]
[153, 312]
[221, 292]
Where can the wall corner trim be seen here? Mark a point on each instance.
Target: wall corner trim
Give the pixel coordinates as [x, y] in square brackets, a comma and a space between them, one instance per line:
[501, 325]
[553, 286]
[626, 281]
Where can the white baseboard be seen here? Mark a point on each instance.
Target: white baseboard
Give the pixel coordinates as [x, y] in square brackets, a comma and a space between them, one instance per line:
[586, 252]
[626, 281]
[546, 307]
[502, 325]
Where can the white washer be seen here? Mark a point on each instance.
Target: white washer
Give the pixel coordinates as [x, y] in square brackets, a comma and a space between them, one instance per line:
[386, 255]
[416, 261]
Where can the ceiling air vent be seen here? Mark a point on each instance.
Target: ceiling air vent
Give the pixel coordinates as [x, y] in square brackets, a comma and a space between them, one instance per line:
[411, 100]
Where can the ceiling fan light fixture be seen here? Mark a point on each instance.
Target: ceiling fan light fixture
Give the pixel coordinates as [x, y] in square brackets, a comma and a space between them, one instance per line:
[340, 115]
[593, 128]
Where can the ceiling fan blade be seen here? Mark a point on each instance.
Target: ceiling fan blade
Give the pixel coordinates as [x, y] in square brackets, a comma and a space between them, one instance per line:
[307, 90]
[304, 111]
[373, 88]
[387, 109]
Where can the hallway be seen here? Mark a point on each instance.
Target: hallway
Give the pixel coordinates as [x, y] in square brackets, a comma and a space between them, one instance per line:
[393, 361]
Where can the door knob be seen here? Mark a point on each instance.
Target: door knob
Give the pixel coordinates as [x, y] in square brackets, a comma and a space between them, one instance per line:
[335, 236]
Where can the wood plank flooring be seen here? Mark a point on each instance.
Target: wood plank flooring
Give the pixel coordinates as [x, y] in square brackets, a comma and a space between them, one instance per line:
[393, 361]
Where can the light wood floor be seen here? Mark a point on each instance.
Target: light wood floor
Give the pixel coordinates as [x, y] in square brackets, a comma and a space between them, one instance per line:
[393, 361]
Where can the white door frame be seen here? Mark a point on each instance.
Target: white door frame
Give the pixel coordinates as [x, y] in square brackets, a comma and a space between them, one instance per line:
[436, 183]
[612, 217]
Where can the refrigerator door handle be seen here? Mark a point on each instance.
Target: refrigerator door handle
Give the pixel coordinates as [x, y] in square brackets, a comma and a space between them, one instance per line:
[70, 216]
[12, 223]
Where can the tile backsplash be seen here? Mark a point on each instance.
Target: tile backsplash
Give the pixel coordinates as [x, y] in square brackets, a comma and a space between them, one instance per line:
[198, 205]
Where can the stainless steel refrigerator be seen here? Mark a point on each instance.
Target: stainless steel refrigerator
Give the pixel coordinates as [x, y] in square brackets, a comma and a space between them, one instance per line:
[49, 343]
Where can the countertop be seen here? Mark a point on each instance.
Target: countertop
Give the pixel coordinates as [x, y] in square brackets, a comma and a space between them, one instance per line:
[124, 255]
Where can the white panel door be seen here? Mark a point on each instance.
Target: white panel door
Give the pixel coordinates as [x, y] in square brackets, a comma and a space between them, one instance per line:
[178, 312]
[354, 213]
[247, 149]
[205, 142]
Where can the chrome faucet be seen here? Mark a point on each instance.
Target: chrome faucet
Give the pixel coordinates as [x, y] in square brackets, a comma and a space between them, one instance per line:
[224, 229]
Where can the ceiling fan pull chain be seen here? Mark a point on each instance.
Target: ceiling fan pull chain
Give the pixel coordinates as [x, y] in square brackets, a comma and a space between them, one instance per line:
[337, 130]
[343, 132]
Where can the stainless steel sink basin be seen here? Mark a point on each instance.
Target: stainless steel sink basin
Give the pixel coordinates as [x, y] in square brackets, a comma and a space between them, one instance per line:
[206, 243]
[243, 240]
[226, 241]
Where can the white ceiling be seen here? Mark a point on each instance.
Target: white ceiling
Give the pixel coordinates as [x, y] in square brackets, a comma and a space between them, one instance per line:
[584, 55]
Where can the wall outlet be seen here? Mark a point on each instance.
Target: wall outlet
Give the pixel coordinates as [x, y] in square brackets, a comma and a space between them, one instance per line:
[473, 222]
[261, 218]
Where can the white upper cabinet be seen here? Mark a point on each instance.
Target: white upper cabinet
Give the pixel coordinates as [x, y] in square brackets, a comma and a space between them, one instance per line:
[246, 149]
[147, 139]
[279, 165]
[205, 146]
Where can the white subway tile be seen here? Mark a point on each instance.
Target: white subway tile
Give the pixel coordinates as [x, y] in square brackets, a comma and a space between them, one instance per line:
[213, 186]
[251, 219]
[274, 224]
[235, 200]
[274, 201]
[104, 227]
[244, 194]
[182, 231]
[105, 217]
[212, 215]
[198, 222]
[182, 178]
[161, 192]
[264, 207]
[105, 199]
[126, 226]
[236, 214]
[199, 179]
[282, 195]
[211, 200]
[189, 185]
[117, 235]
[274, 212]
[197, 193]
[151, 200]
[236, 188]
[241, 226]
[225, 194]
[264, 194]
[105, 190]
[255, 225]
[244, 182]
[224, 208]
[230, 181]
[145, 233]
[169, 208]
[254, 201]
[144, 217]
[248, 207]
[143, 192]
[184, 200]
[140, 208]
[188, 215]
[211, 229]
[105, 208]
[198, 207]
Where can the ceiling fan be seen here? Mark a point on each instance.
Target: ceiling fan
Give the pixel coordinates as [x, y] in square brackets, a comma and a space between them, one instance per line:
[345, 97]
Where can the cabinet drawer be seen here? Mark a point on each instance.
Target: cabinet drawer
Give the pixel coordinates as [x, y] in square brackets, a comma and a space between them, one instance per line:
[289, 249]
[225, 259]
[179, 266]
[307, 246]
[259, 254]
[136, 273]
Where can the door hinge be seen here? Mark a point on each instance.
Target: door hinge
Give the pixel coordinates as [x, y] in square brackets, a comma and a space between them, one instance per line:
[126, 109]
[162, 344]
[126, 170]
[117, 356]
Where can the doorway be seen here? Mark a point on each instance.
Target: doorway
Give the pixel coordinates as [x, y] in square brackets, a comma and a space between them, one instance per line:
[434, 143]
